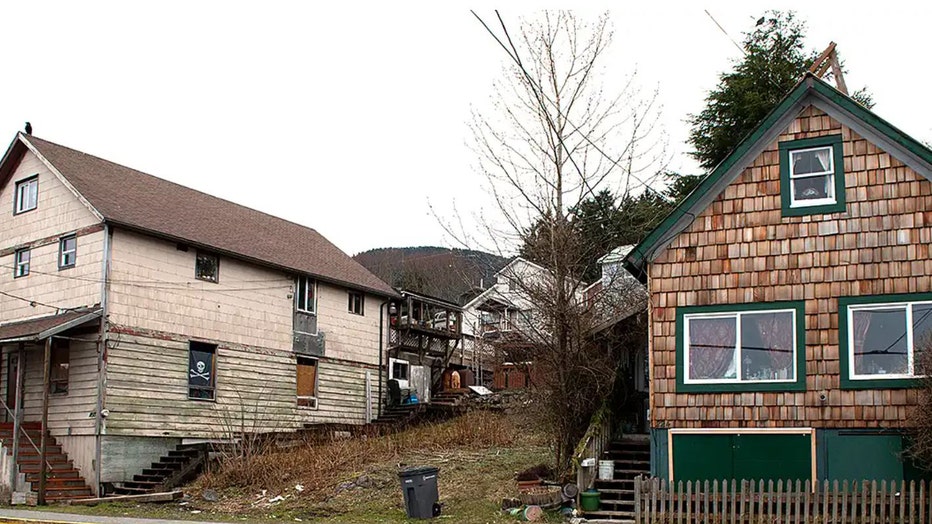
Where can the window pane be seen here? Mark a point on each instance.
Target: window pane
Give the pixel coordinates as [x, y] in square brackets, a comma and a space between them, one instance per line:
[767, 346]
[812, 161]
[712, 348]
[879, 341]
[206, 267]
[812, 188]
[58, 372]
[922, 334]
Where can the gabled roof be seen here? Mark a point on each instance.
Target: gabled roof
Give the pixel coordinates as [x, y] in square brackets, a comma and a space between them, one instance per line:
[135, 200]
[809, 91]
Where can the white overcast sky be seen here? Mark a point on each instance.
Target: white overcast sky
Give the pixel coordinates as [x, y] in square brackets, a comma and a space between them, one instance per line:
[349, 118]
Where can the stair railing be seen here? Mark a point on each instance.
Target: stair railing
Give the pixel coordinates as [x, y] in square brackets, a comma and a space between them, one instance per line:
[26, 434]
[595, 441]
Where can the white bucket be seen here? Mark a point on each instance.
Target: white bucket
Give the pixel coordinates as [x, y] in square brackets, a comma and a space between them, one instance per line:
[606, 469]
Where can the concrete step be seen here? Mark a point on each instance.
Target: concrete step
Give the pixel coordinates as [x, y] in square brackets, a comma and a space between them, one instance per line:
[149, 478]
[132, 491]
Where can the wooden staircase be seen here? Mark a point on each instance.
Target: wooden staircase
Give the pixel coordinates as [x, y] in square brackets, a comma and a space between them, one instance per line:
[63, 482]
[450, 399]
[632, 458]
[173, 469]
[398, 415]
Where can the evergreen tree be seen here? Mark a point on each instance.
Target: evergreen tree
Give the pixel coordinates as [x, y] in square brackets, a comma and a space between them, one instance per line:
[774, 62]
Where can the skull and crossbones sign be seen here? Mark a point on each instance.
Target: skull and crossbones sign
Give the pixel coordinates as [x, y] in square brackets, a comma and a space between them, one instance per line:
[199, 371]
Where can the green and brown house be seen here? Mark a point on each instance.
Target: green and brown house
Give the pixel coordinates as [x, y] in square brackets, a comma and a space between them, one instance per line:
[790, 294]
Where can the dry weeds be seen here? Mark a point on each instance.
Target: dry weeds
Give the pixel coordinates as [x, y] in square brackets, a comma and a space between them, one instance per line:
[318, 467]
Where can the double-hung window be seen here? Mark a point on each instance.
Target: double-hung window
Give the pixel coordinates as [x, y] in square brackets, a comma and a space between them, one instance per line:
[27, 195]
[882, 340]
[21, 262]
[306, 297]
[67, 251]
[812, 176]
[754, 347]
[356, 303]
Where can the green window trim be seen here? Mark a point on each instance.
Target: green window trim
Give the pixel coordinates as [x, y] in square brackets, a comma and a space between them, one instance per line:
[844, 350]
[799, 384]
[835, 142]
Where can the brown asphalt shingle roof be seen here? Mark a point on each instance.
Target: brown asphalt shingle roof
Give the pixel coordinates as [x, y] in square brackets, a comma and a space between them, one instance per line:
[150, 204]
[31, 329]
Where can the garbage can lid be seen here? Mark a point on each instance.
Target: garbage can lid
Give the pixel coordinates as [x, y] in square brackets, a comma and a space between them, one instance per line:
[413, 471]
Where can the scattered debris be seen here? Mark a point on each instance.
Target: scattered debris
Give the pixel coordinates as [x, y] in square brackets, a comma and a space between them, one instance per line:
[273, 500]
[299, 488]
[210, 495]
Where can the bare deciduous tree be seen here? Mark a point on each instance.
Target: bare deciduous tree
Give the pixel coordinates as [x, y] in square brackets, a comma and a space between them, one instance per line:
[553, 138]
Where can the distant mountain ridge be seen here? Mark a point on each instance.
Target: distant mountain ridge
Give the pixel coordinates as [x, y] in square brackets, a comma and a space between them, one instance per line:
[450, 274]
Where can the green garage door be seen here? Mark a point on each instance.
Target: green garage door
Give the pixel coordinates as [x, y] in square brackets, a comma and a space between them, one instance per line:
[863, 456]
[752, 456]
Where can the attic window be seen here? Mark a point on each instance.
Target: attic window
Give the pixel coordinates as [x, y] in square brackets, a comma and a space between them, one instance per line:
[27, 195]
[812, 176]
[207, 267]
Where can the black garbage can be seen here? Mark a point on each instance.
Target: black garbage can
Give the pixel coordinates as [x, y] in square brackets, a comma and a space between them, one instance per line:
[420, 490]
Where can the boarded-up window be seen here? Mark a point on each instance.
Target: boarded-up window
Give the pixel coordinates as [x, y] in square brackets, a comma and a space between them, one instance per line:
[307, 382]
[202, 376]
[58, 373]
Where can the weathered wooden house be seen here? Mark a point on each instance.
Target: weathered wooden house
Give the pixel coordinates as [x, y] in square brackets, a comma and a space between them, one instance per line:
[789, 296]
[496, 325]
[167, 316]
[424, 343]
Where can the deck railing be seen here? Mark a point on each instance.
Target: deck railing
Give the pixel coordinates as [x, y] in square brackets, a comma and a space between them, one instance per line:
[596, 440]
[790, 502]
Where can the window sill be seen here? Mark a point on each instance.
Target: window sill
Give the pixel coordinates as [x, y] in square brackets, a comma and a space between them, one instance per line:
[203, 399]
[881, 383]
[308, 403]
[824, 209]
[69, 266]
[742, 387]
[23, 212]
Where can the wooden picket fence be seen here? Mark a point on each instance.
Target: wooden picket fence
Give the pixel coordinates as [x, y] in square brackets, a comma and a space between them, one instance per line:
[755, 502]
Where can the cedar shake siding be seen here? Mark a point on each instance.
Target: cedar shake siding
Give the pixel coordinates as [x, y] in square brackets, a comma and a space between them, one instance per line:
[742, 249]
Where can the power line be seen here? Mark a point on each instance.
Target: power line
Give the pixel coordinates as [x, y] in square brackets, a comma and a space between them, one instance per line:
[541, 97]
[32, 302]
[155, 284]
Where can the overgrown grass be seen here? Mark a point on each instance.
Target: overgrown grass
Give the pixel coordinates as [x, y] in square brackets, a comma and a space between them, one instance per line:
[314, 466]
[478, 456]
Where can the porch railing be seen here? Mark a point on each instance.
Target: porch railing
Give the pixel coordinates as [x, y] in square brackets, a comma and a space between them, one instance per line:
[596, 440]
[794, 502]
[24, 433]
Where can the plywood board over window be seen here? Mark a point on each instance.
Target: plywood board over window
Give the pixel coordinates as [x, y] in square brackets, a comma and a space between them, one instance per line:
[307, 382]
